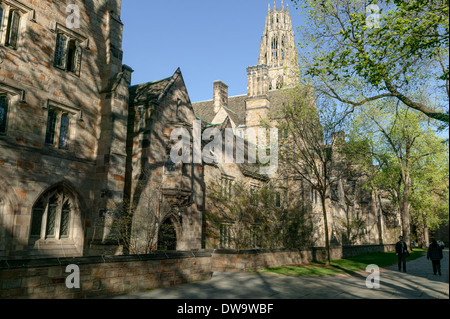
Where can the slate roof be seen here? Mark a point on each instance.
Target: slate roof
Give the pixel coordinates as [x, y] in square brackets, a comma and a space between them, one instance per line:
[148, 92]
[204, 110]
[236, 106]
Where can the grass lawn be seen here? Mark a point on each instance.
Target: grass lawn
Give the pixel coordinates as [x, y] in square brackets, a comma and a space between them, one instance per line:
[343, 266]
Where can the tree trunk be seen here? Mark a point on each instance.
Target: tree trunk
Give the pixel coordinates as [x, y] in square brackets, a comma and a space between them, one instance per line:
[426, 234]
[404, 213]
[327, 239]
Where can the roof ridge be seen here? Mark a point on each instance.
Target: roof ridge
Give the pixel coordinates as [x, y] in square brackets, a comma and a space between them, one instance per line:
[151, 82]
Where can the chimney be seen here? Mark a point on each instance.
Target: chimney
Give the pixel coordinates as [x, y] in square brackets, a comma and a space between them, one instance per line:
[257, 80]
[127, 71]
[220, 95]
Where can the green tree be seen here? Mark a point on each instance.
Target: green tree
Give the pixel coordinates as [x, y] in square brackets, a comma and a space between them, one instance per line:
[243, 217]
[308, 153]
[399, 144]
[358, 51]
[430, 194]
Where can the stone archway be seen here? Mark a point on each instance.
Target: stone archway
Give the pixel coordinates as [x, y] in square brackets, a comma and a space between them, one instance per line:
[9, 208]
[167, 235]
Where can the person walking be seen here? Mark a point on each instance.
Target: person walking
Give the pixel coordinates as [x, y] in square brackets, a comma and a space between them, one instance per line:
[401, 250]
[435, 254]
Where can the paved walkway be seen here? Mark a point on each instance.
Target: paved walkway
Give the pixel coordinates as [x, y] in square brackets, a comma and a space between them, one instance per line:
[418, 283]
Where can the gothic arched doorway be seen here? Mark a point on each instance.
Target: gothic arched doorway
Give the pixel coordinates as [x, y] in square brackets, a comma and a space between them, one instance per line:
[167, 236]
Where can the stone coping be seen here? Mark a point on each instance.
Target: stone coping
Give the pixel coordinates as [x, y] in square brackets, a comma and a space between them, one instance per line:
[50, 262]
[157, 255]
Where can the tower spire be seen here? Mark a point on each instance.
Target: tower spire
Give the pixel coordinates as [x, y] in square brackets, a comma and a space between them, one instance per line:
[277, 49]
[274, 5]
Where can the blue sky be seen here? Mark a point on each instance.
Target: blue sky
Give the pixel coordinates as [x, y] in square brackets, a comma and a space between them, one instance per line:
[208, 39]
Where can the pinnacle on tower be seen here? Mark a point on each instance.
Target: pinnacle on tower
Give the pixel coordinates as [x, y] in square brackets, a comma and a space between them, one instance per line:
[278, 50]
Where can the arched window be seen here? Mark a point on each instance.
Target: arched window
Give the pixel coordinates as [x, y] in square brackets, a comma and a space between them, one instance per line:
[275, 48]
[52, 214]
[167, 236]
[3, 113]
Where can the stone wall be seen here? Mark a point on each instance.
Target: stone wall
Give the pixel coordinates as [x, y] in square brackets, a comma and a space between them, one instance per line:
[115, 275]
[101, 276]
[248, 260]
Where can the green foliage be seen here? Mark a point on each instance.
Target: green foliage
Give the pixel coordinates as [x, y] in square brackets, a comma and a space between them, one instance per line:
[355, 61]
[351, 226]
[408, 160]
[430, 196]
[343, 266]
[256, 218]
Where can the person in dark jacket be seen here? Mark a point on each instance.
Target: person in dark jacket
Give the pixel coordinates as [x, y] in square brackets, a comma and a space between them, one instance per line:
[435, 254]
[401, 250]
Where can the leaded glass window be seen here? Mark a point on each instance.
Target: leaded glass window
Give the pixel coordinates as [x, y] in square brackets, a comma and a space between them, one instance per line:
[278, 199]
[52, 215]
[36, 224]
[170, 166]
[225, 236]
[71, 49]
[65, 220]
[67, 54]
[51, 127]
[3, 113]
[64, 132]
[227, 187]
[12, 32]
[61, 51]
[1, 21]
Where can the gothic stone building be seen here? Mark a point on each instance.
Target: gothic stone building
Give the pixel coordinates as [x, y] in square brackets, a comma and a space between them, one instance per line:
[270, 84]
[79, 144]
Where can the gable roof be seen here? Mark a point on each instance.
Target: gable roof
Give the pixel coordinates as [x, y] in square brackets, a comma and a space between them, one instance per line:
[236, 108]
[152, 91]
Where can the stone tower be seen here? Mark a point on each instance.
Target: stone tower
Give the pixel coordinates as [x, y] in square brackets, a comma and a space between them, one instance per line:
[278, 49]
[277, 66]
